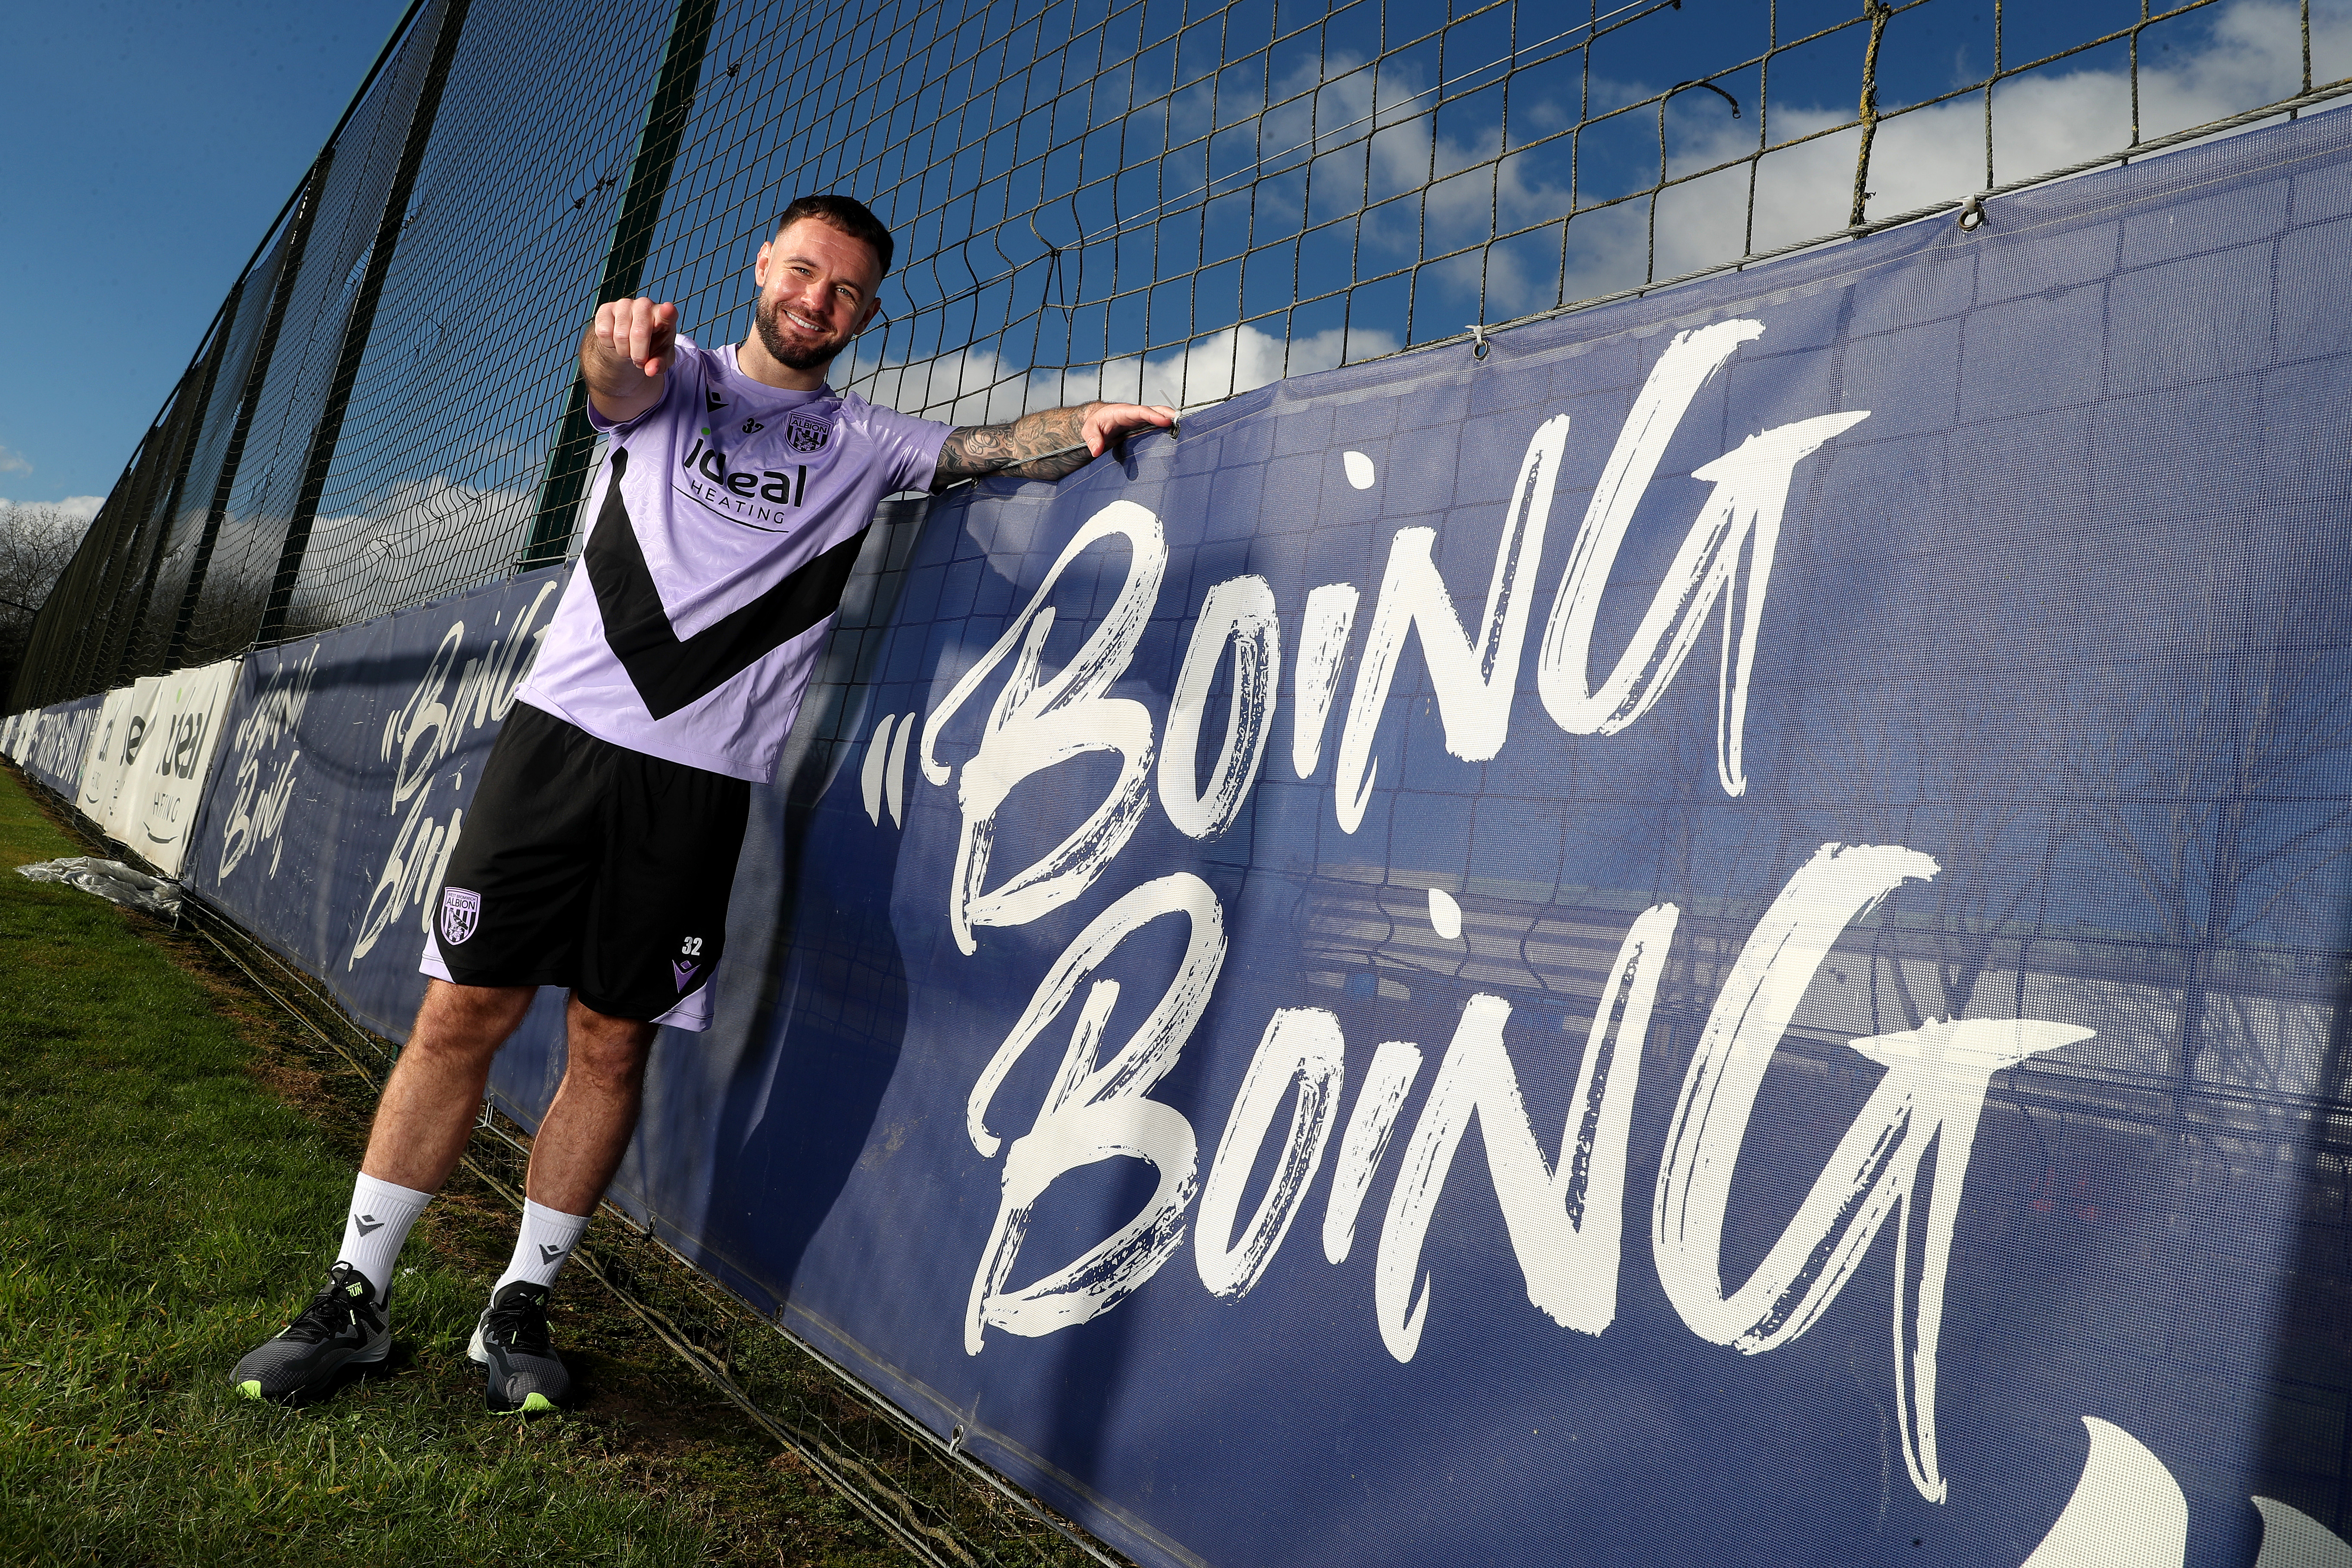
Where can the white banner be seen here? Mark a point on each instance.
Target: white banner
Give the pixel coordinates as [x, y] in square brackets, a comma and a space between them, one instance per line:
[102, 769]
[131, 745]
[173, 755]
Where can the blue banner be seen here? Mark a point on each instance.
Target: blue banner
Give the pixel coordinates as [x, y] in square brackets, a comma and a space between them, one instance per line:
[342, 775]
[1713, 934]
[59, 741]
[1715, 937]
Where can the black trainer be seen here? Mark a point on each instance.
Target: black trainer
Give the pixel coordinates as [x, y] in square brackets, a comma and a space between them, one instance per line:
[344, 1325]
[511, 1342]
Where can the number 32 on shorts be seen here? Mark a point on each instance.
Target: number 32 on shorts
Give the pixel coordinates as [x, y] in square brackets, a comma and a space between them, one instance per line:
[691, 947]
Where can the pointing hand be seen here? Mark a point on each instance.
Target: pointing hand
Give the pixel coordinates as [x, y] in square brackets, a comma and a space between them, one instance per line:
[640, 332]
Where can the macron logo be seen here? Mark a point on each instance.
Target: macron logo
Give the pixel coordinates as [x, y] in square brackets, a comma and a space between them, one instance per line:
[549, 1254]
[367, 1224]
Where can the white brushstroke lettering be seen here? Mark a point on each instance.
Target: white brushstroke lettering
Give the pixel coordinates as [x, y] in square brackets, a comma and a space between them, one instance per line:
[1933, 1094]
[1475, 682]
[419, 738]
[1239, 610]
[894, 772]
[1565, 1224]
[1302, 1045]
[1094, 1112]
[869, 776]
[1743, 512]
[2127, 1511]
[1034, 726]
[2293, 1539]
[1322, 647]
[1395, 1064]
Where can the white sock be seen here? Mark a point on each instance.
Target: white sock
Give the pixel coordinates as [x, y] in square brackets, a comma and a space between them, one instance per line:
[377, 1225]
[547, 1240]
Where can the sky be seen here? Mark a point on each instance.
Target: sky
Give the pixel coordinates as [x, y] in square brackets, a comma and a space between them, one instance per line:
[2194, 69]
[150, 144]
[143, 215]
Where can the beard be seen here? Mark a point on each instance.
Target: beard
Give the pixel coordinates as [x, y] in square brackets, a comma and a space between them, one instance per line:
[813, 356]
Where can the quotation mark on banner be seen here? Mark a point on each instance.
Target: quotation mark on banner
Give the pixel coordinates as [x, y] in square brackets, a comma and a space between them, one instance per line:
[884, 776]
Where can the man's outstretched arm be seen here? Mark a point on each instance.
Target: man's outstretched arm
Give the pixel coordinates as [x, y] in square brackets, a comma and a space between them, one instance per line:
[1046, 445]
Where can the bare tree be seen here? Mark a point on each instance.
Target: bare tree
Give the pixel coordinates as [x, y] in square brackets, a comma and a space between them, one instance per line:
[2219, 801]
[37, 541]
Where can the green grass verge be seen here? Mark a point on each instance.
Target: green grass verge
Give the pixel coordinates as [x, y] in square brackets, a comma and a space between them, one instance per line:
[172, 1174]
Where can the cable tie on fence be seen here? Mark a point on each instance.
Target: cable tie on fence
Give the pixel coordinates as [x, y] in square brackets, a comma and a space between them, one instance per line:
[1049, 245]
[1972, 213]
[1710, 87]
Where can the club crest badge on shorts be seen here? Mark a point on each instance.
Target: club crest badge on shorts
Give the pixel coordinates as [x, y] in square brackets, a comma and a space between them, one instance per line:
[461, 911]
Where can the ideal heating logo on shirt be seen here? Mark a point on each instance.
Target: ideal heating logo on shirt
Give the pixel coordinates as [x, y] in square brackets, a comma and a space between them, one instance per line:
[755, 497]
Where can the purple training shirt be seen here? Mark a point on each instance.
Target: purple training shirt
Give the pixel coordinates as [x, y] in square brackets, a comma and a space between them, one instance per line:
[726, 522]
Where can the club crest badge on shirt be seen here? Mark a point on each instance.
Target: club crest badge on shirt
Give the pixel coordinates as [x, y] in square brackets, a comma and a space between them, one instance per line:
[461, 911]
[807, 432]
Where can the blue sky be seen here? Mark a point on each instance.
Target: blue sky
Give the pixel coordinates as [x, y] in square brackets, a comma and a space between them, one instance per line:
[154, 142]
[150, 144]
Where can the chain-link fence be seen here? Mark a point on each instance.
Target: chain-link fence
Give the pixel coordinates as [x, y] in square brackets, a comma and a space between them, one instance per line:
[1170, 199]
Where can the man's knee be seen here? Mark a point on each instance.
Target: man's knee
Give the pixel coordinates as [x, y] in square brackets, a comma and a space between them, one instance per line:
[610, 1051]
[464, 1023]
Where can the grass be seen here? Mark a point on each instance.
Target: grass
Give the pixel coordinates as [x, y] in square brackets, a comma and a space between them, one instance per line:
[173, 1167]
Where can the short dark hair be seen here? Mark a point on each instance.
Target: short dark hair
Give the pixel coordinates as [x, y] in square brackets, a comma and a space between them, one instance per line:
[851, 216]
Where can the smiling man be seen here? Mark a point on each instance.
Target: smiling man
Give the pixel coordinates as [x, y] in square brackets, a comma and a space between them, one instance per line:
[600, 846]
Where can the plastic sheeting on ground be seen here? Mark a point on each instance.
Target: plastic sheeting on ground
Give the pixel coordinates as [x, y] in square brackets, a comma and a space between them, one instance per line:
[110, 879]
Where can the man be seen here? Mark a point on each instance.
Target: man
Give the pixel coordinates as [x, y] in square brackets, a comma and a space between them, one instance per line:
[601, 844]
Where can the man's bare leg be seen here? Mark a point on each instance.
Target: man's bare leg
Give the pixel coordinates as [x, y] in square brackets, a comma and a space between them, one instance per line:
[578, 1148]
[421, 1126]
[429, 1104]
[587, 1129]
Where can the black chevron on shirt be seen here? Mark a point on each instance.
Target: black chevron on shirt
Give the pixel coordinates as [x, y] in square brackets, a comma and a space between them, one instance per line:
[670, 672]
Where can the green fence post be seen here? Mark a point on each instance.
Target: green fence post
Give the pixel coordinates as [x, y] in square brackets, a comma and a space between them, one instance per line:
[289, 268]
[359, 324]
[624, 263]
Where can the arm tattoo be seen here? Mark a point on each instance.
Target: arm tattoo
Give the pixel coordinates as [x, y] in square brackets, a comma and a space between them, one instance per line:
[1034, 446]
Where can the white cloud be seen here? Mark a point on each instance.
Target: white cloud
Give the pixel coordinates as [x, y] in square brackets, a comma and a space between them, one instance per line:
[2041, 122]
[434, 517]
[975, 386]
[420, 537]
[2248, 55]
[2251, 56]
[13, 462]
[75, 509]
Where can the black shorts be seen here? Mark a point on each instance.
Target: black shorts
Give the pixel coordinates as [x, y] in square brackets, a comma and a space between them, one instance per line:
[589, 866]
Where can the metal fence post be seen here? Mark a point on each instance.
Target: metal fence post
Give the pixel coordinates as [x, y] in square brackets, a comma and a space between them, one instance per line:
[625, 263]
[360, 323]
[289, 268]
[189, 416]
